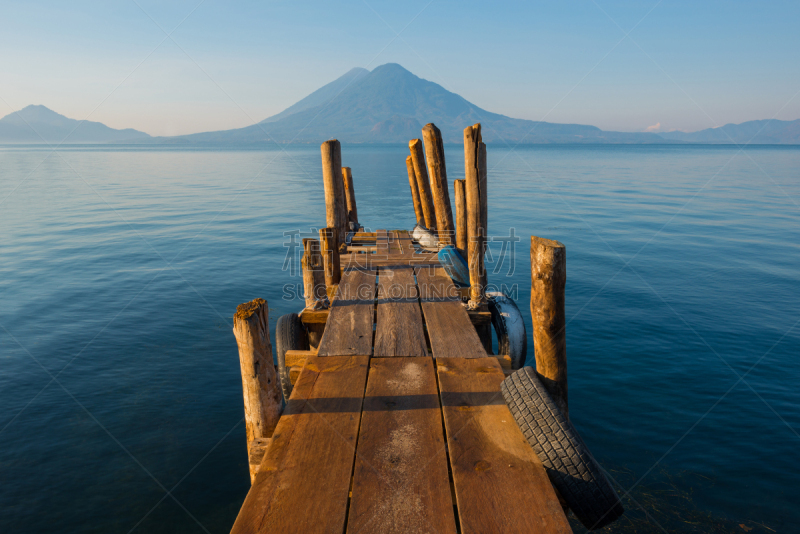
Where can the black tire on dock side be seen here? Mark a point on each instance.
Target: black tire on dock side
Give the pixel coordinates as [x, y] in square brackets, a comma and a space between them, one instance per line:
[570, 466]
[290, 334]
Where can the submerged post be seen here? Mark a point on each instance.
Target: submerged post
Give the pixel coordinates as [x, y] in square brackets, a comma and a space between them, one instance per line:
[548, 280]
[329, 239]
[350, 196]
[476, 234]
[262, 396]
[335, 211]
[459, 186]
[412, 181]
[434, 155]
[423, 184]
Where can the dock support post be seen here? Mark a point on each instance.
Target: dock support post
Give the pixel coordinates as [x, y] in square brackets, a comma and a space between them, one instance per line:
[262, 395]
[335, 211]
[482, 181]
[350, 196]
[459, 187]
[423, 183]
[476, 233]
[412, 181]
[434, 155]
[548, 280]
[329, 239]
[314, 286]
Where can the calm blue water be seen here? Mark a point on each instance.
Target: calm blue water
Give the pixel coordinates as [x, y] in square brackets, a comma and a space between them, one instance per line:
[120, 270]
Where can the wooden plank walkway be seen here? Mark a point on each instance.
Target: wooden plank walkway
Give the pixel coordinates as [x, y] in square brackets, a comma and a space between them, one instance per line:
[303, 482]
[401, 484]
[389, 429]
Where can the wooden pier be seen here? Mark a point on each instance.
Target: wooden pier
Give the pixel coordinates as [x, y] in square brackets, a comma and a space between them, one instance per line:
[395, 422]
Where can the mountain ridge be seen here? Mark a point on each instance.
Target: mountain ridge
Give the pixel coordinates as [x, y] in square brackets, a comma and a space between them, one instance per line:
[388, 105]
[758, 132]
[39, 124]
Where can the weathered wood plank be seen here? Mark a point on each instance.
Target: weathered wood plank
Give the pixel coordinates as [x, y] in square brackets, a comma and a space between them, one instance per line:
[400, 482]
[449, 327]
[399, 330]
[348, 331]
[500, 483]
[382, 242]
[308, 464]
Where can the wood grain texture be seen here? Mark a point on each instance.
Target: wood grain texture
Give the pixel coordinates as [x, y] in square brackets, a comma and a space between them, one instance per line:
[348, 330]
[449, 327]
[459, 187]
[423, 183]
[303, 482]
[412, 181]
[331, 260]
[476, 234]
[548, 282]
[437, 171]
[335, 207]
[500, 484]
[399, 330]
[401, 484]
[349, 195]
[313, 272]
[262, 394]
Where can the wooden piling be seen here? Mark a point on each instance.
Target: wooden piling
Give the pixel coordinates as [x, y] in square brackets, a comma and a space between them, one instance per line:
[548, 280]
[349, 196]
[423, 183]
[434, 156]
[335, 211]
[482, 181]
[459, 187]
[412, 181]
[475, 232]
[329, 239]
[262, 395]
[314, 286]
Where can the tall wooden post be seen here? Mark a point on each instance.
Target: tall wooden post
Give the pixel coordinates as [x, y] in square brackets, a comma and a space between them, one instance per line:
[423, 184]
[412, 181]
[475, 231]
[434, 155]
[548, 280]
[350, 196]
[262, 395]
[482, 181]
[335, 211]
[459, 186]
[329, 239]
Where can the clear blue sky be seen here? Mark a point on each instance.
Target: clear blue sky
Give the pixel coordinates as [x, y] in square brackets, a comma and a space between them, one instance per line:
[685, 65]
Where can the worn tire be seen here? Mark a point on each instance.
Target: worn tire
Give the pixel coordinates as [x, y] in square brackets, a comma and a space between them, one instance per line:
[290, 334]
[509, 325]
[570, 466]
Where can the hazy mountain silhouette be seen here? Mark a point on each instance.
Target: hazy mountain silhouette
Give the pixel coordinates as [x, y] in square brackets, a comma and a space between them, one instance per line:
[38, 124]
[322, 95]
[770, 131]
[390, 104]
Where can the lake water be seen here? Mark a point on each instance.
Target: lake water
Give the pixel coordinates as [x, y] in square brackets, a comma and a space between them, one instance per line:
[120, 270]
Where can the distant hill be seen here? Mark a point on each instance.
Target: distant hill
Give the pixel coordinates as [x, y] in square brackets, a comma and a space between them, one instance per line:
[770, 131]
[38, 124]
[390, 105]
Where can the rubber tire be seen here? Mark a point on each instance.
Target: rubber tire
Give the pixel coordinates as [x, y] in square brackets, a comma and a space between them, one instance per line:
[512, 324]
[570, 466]
[290, 334]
